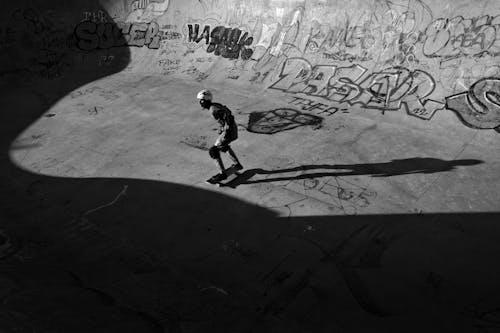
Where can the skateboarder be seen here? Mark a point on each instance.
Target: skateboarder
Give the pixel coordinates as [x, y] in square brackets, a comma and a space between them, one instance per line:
[228, 132]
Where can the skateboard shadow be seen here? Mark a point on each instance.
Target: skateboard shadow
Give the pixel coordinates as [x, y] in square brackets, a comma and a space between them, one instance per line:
[424, 165]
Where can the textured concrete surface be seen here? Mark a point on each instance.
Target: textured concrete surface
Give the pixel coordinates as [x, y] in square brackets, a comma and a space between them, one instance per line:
[369, 135]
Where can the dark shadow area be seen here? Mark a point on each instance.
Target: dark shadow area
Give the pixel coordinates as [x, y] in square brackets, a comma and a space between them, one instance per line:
[160, 255]
[400, 167]
[129, 255]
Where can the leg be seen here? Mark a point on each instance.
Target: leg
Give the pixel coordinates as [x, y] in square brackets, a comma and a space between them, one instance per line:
[232, 155]
[214, 153]
[220, 164]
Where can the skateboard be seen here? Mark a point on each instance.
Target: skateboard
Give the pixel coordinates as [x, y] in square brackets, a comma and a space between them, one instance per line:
[231, 172]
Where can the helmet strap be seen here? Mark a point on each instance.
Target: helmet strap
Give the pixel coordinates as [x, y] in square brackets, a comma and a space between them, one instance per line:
[205, 103]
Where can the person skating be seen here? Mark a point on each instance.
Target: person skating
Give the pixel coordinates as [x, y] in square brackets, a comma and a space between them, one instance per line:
[228, 132]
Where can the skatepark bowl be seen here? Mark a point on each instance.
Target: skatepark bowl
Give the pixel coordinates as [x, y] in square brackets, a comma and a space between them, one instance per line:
[369, 135]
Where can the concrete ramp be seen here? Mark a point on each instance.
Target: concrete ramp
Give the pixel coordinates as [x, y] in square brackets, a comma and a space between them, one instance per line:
[369, 133]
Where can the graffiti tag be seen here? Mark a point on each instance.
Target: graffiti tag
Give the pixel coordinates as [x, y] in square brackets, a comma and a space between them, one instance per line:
[461, 37]
[480, 106]
[387, 90]
[226, 42]
[91, 36]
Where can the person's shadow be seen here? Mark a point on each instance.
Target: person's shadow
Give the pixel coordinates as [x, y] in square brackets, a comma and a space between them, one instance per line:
[386, 169]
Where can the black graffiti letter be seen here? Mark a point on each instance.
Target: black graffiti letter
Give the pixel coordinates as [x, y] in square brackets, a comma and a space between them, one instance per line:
[205, 34]
[193, 35]
[152, 40]
[232, 49]
[218, 38]
[85, 33]
[246, 53]
[105, 33]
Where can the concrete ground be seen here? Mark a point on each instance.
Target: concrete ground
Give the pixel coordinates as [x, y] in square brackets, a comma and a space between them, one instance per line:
[348, 163]
[343, 225]
[345, 218]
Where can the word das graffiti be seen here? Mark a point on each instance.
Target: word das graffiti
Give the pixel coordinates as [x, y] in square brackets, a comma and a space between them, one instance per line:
[280, 120]
[97, 17]
[343, 56]
[39, 44]
[458, 74]
[53, 64]
[91, 35]
[342, 40]
[387, 90]
[170, 35]
[140, 4]
[108, 95]
[479, 107]
[169, 66]
[169, 62]
[226, 42]
[169, 27]
[147, 11]
[105, 60]
[325, 38]
[313, 106]
[461, 37]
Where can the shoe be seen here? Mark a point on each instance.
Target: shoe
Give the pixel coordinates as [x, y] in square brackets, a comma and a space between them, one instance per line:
[237, 166]
[217, 178]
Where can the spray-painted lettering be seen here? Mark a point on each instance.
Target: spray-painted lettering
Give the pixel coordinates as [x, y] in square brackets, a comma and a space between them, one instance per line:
[387, 90]
[462, 37]
[91, 36]
[229, 43]
[97, 17]
[480, 106]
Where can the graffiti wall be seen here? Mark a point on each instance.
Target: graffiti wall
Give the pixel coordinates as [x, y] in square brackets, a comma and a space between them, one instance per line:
[418, 57]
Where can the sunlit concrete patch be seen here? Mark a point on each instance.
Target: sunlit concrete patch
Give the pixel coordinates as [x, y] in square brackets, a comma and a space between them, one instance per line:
[129, 127]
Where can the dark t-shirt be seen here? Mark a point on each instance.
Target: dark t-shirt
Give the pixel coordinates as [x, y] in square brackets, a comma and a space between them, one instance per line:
[228, 129]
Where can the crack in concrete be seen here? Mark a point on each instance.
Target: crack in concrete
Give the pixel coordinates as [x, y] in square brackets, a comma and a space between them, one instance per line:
[122, 193]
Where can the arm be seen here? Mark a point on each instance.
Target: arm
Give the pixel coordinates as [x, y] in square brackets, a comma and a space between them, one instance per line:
[221, 117]
[223, 134]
